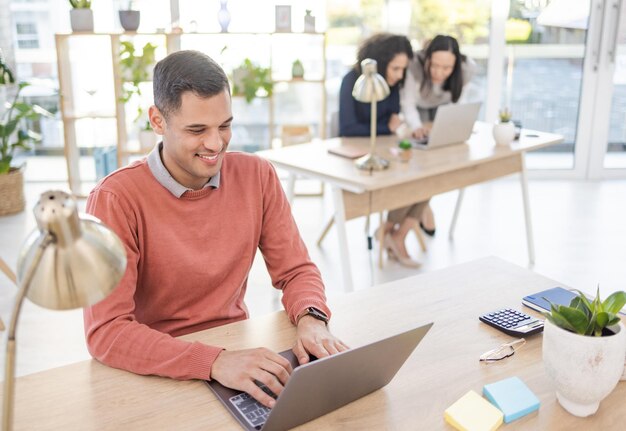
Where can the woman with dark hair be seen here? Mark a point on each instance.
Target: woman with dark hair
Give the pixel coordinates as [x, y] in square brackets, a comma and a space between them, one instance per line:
[392, 53]
[436, 76]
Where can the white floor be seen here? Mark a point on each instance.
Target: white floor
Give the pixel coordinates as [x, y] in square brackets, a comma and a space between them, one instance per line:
[579, 231]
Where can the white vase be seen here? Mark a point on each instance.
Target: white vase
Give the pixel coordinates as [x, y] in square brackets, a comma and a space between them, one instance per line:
[504, 133]
[584, 369]
[81, 19]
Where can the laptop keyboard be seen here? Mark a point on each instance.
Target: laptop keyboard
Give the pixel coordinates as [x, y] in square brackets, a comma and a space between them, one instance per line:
[255, 413]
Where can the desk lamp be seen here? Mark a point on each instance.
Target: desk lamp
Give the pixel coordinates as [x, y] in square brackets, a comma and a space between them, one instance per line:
[67, 262]
[371, 87]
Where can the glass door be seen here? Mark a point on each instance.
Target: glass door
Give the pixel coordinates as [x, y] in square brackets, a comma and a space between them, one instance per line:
[608, 139]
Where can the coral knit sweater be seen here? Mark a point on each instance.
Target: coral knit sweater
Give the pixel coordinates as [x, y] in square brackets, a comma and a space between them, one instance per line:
[188, 263]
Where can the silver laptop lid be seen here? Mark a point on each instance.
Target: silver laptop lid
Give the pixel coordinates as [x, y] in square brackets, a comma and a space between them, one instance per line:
[453, 124]
[324, 385]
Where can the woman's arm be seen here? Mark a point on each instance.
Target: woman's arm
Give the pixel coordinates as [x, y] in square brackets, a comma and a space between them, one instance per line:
[408, 102]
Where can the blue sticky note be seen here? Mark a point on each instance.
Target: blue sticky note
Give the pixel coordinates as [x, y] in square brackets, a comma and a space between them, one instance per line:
[512, 397]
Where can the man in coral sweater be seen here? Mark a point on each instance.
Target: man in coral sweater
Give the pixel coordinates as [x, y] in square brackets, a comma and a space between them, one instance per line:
[191, 217]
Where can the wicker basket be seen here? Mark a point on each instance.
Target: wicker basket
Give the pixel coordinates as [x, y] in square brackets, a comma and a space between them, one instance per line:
[12, 192]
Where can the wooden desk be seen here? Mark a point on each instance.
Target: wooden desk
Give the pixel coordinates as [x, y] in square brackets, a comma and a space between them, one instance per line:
[358, 193]
[91, 396]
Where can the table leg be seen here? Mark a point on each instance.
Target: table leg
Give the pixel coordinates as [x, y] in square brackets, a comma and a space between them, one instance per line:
[340, 221]
[529, 227]
[455, 215]
[291, 187]
[325, 231]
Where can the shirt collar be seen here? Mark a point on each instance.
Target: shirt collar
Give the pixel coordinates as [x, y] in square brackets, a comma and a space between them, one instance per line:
[163, 176]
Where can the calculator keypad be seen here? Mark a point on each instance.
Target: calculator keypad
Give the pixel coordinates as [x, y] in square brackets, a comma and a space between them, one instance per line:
[513, 322]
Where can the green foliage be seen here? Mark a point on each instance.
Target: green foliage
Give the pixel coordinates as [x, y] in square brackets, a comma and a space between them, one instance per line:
[249, 78]
[467, 20]
[505, 115]
[405, 144]
[6, 76]
[80, 4]
[14, 131]
[587, 317]
[135, 68]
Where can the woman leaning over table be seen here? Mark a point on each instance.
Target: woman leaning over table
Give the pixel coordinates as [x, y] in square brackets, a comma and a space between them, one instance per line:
[437, 75]
[392, 54]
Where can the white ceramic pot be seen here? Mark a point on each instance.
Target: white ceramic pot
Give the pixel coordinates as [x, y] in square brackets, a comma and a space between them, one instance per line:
[504, 133]
[147, 140]
[584, 369]
[81, 19]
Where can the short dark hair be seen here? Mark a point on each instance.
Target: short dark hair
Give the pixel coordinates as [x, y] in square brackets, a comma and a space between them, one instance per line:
[454, 83]
[184, 71]
[383, 47]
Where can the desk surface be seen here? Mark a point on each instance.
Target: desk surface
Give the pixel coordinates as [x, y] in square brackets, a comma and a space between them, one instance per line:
[88, 395]
[313, 159]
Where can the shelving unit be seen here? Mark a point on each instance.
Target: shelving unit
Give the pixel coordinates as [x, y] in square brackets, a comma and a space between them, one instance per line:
[91, 85]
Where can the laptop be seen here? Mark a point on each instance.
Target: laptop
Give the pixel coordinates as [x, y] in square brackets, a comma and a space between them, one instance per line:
[453, 124]
[323, 385]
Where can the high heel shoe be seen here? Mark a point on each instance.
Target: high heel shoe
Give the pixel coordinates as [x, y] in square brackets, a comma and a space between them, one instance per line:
[394, 253]
[429, 232]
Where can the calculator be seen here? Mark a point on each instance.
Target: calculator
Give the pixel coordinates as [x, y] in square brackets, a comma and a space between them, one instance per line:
[513, 322]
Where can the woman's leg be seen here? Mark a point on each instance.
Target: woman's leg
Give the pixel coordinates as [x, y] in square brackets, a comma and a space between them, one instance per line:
[427, 220]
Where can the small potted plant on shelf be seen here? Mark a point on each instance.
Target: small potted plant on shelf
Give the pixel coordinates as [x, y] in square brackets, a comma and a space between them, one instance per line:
[14, 134]
[81, 15]
[309, 22]
[129, 17]
[584, 346]
[147, 137]
[136, 68]
[504, 131]
[405, 147]
[251, 80]
[297, 70]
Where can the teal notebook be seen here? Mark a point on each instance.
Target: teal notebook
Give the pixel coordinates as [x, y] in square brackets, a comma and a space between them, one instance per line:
[512, 397]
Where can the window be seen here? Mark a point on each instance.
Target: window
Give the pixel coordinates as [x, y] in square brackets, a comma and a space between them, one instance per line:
[27, 37]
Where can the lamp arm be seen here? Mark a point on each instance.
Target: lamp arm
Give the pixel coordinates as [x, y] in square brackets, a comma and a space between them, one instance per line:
[9, 368]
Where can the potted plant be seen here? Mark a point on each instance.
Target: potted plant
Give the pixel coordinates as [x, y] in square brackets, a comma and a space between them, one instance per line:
[147, 137]
[14, 134]
[81, 15]
[584, 345]
[504, 131]
[297, 70]
[251, 80]
[129, 17]
[136, 68]
[405, 150]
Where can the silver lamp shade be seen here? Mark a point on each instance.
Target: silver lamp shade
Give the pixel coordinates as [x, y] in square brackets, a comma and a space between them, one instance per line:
[80, 266]
[371, 88]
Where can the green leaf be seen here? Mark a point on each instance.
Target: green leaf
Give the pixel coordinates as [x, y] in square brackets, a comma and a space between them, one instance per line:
[583, 298]
[576, 318]
[580, 304]
[615, 302]
[560, 321]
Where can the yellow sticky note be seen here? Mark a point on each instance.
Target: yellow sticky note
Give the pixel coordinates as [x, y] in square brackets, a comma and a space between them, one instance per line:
[473, 413]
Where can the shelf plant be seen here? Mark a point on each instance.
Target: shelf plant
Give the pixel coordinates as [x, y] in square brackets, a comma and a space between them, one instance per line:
[251, 80]
[584, 347]
[135, 68]
[80, 4]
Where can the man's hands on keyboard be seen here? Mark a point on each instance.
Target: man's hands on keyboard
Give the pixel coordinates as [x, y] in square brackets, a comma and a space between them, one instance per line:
[241, 369]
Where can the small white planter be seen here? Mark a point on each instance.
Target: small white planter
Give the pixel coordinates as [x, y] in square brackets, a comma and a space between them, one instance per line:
[81, 19]
[584, 369]
[147, 140]
[504, 133]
